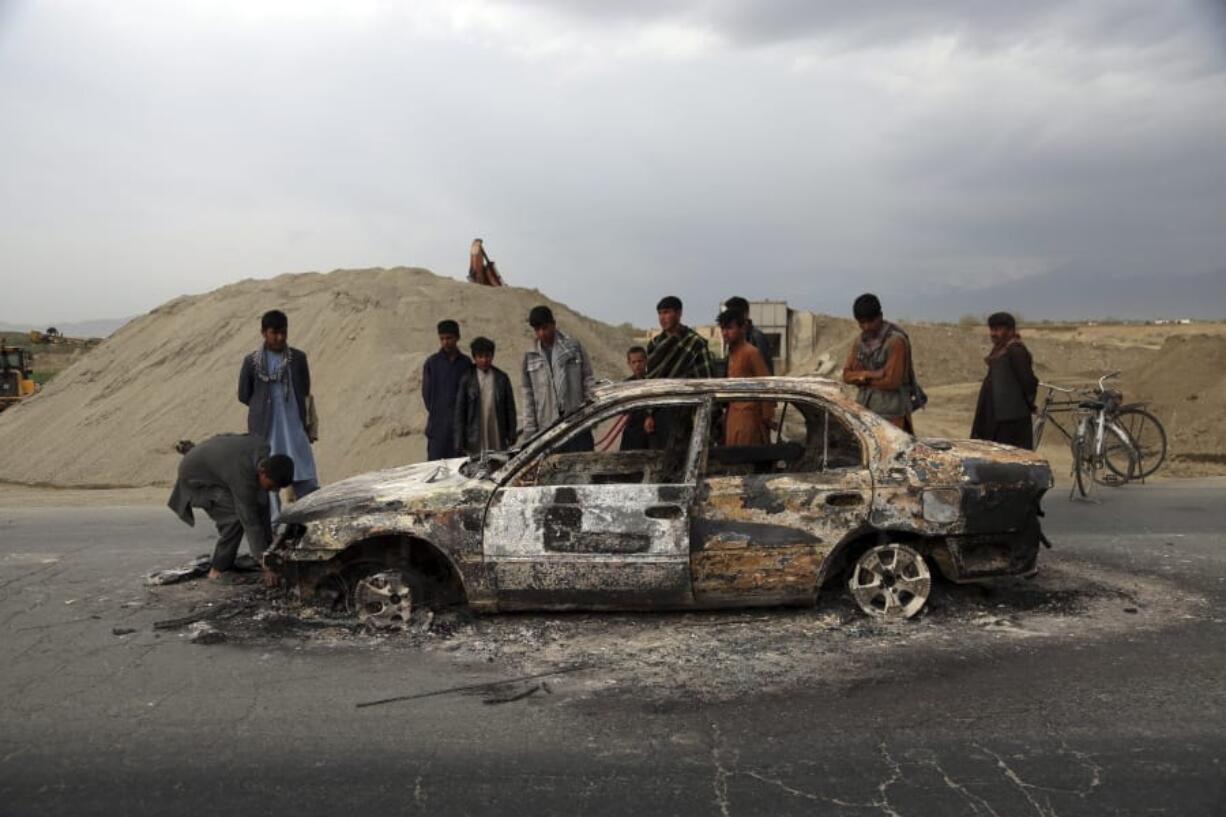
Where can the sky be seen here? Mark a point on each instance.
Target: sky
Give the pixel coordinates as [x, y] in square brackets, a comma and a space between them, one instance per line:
[947, 154]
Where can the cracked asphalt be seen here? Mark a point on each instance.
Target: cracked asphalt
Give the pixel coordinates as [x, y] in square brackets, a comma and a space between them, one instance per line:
[1125, 721]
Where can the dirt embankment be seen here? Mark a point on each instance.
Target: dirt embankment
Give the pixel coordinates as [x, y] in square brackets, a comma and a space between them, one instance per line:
[1185, 386]
[114, 417]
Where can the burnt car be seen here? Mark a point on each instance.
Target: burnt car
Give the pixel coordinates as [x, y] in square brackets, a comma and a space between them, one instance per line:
[838, 496]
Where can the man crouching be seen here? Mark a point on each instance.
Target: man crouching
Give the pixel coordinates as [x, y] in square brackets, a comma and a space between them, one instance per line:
[229, 477]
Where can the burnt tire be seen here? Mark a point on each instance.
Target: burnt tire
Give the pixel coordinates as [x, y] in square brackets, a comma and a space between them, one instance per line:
[890, 582]
[383, 597]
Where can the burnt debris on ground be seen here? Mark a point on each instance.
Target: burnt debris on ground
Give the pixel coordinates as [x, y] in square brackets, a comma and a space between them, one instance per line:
[702, 655]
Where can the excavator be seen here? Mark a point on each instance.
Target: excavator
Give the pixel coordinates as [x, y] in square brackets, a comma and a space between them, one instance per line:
[481, 269]
[16, 375]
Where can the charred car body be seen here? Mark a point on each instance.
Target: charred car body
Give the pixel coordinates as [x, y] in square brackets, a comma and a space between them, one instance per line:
[838, 495]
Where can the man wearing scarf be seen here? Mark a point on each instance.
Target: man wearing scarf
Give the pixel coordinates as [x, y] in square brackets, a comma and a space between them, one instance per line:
[1006, 398]
[677, 352]
[274, 383]
[879, 363]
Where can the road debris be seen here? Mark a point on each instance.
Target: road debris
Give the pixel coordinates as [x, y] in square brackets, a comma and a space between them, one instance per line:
[519, 696]
[476, 687]
[220, 611]
[202, 632]
[192, 570]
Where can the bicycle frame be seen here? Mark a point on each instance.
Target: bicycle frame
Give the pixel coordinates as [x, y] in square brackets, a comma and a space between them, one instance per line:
[1089, 435]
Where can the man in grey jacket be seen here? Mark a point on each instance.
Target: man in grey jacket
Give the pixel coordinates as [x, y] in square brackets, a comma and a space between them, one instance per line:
[557, 379]
[229, 477]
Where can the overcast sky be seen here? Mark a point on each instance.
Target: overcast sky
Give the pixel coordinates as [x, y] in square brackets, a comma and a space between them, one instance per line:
[608, 152]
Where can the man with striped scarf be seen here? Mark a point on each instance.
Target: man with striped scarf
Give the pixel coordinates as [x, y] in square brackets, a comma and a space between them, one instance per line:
[677, 352]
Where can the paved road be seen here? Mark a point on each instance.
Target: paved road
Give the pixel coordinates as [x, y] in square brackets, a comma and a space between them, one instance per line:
[94, 723]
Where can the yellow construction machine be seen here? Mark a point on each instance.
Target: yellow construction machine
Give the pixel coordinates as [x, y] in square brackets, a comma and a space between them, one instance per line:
[16, 375]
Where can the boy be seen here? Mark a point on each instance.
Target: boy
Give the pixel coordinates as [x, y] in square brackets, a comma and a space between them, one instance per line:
[747, 422]
[484, 405]
[634, 435]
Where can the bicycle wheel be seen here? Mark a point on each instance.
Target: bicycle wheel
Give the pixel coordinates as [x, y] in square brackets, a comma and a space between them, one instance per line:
[1081, 465]
[1148, 438]
[1119, 457]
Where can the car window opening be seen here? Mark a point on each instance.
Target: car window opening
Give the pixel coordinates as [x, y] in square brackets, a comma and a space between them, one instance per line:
[807, 439]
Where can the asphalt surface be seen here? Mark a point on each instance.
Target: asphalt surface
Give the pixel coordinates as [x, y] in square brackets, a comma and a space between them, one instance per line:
[92, 722]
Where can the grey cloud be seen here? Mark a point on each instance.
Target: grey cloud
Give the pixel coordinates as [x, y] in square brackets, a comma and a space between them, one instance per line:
[1073, 139]
[880, 23]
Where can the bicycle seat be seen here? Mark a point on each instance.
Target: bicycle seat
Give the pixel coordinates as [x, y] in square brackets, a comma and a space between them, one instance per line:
[1090, 404]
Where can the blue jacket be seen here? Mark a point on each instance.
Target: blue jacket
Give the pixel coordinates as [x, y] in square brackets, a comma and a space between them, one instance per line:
[440, 380]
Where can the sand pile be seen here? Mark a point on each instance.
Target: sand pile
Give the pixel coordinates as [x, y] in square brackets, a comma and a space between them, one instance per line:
[113, 418]
[1185, 385]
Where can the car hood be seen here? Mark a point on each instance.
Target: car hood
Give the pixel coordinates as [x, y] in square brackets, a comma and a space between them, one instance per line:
[425, 486]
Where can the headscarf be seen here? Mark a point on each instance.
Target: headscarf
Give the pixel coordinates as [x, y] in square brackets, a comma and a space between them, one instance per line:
[280, 375]
[870, 342]
[1000, 347]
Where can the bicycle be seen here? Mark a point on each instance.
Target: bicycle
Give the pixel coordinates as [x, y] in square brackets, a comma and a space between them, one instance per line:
[1144, 430]
[1099, 443]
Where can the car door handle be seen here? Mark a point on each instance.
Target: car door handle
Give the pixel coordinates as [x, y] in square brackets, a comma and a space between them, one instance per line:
[664, 512]
[845, 499]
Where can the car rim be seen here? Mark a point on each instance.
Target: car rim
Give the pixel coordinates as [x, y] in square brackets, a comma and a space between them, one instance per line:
[891, 581]
[383, 600]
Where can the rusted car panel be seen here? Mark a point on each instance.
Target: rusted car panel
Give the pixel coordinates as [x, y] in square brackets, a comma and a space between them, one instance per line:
[689, 526]
[766, 536]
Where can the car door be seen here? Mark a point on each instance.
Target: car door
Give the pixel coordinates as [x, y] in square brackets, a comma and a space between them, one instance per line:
[766, 517]
[604, 529]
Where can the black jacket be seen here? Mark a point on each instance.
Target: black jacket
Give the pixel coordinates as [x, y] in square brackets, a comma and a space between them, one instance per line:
[1007, 394]
[256, 395]
[467, 425]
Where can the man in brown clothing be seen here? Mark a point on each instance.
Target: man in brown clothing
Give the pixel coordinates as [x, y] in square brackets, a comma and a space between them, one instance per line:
[747, 422]
[1006, 398]
[880, 364]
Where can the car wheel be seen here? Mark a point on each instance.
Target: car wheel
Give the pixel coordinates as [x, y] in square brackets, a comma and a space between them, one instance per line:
[385, 599]
[891, 582]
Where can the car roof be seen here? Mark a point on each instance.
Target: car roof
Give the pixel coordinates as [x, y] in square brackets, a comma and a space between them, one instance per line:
[818, 386]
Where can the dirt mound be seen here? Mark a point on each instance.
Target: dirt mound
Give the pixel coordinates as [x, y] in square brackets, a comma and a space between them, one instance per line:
[113, 417]
[1185, 386]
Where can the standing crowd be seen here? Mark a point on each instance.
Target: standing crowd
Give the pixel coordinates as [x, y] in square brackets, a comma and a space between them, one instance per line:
[240, 480]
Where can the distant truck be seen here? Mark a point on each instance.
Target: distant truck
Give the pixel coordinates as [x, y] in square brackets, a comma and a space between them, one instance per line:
[16, 375]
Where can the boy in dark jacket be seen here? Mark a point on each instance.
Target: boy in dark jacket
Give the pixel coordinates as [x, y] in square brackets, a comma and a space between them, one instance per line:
[484, 405]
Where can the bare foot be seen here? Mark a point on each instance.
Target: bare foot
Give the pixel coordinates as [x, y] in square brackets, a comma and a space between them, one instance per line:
[214, 573]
